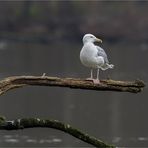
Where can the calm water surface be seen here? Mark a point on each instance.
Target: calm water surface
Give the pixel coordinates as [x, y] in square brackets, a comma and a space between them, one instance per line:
[117, 118]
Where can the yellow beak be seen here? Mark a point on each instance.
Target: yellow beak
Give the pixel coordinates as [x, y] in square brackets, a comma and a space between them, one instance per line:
[98, 40]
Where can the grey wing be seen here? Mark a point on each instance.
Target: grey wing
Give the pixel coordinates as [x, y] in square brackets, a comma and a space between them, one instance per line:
[102, 53]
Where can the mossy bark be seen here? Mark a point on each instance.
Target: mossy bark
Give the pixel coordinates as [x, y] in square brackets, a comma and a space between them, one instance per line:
[48, 123]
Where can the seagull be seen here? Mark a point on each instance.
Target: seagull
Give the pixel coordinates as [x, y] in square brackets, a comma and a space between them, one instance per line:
[93, 56]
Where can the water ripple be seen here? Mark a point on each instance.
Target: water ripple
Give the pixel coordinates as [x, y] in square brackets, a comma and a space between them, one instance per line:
[29, 140]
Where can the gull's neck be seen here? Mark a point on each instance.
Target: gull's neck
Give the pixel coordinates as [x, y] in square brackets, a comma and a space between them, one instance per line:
[88, 42]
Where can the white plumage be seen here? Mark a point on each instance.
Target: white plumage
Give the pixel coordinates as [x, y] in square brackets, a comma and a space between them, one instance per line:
[93, 56]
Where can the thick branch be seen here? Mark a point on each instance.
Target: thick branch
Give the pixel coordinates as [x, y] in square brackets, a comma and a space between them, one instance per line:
[48, 123]
[105, 85]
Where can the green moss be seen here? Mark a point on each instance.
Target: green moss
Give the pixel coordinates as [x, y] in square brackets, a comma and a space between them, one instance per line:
[2, 119]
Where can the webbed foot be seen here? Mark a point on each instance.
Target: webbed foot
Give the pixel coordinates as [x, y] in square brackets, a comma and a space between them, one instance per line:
[95, 81]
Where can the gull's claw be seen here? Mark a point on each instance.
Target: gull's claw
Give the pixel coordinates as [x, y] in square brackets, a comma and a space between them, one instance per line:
[90, 79]
[95, 81]
[43, 75]
[111, 66]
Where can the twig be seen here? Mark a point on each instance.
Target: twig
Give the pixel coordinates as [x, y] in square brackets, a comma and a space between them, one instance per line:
[105, 85]
[48, 123]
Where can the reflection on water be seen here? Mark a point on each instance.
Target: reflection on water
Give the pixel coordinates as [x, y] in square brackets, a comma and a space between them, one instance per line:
[27, 140]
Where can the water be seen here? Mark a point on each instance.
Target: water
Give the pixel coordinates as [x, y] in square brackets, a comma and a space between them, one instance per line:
[117, 118]
[11, 140]
[20, 140]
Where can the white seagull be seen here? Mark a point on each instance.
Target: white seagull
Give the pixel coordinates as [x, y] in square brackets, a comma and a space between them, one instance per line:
[93, 56]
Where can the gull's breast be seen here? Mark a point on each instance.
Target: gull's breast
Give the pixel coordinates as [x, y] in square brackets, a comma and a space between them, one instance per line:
[89, 57]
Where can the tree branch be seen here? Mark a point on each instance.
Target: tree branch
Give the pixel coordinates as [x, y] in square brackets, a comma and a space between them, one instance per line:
[105, 85]
[48, 123]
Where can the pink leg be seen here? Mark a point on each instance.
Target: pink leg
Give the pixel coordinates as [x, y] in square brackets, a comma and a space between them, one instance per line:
[95, 81]
[91, 76]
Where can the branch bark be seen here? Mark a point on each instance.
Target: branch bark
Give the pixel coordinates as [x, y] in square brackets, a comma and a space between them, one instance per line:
[105, 85]
[48, 123]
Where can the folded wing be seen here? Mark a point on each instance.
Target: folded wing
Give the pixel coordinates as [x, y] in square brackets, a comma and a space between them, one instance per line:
[102, 53]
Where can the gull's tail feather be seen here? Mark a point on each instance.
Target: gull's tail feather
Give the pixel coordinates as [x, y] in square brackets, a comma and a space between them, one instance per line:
[107, 66]
[111, 66]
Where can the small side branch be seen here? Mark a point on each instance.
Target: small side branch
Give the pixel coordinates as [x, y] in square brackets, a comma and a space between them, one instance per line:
[105, 85]
[48, 123]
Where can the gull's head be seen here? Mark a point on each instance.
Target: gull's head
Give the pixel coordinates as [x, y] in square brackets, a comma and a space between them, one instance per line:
[90, 38]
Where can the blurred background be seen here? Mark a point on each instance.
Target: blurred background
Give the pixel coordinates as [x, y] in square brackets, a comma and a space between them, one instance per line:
[39, 37]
